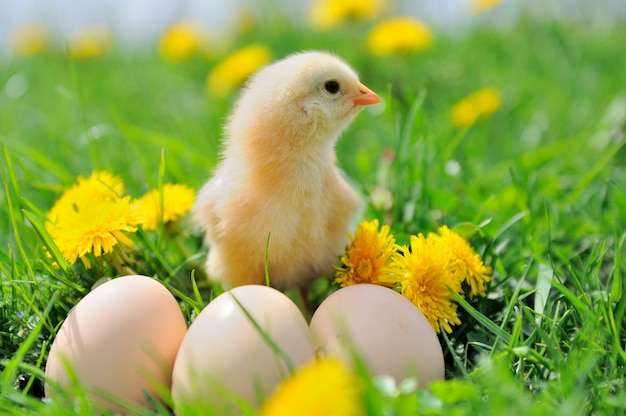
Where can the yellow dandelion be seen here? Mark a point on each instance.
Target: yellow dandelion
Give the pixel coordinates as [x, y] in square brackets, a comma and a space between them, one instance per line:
[467, 264]
[366, 258]
[328, 14]
[100, 185]
[399, 36]
[89, 42]
[94, 227]
[424, 272]
[182, 40]
[177, 199]
[480, 6]
[324, 387]
[30, 39]
[233, 70]
[480, 104]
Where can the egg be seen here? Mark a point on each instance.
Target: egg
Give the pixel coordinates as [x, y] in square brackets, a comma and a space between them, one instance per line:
[242, 344]
[386, 330]
[120, 341]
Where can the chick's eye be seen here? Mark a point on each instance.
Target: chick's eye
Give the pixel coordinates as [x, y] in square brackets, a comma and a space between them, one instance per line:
[332, 86]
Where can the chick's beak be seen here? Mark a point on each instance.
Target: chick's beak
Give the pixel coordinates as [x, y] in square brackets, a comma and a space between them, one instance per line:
[366, 96]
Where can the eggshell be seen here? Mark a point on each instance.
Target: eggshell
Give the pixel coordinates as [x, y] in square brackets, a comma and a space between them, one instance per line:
[385, 329]
[119, 340]
[224, 355]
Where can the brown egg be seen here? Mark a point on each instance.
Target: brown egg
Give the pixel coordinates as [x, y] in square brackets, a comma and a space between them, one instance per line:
[120, 340]
[225, 357]
[384, 328]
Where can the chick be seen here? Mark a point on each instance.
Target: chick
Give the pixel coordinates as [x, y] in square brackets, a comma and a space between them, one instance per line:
[278, 179]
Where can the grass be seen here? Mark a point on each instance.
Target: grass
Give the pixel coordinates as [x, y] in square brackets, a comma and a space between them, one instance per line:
[541, 189]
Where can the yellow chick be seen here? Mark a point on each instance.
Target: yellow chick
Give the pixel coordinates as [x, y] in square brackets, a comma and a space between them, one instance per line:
[277, 177]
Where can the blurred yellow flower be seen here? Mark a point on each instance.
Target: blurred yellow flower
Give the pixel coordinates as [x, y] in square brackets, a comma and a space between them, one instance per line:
[424, 272]
[324, 387]
[366, 258]
[479, 104]
[398, 36]
[328, 14]
[89, 42]
[177, 199]
[480, 6]
[100, 185]
[233, 70]
[30, 39]
[182, 40]
[466, 263]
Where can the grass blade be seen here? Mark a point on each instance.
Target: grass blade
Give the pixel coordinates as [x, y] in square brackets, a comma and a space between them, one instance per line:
[482, 319]
[542, 290]
[9, 373]
[278, 352]
[13, 221]
[45, 238]
[599, 166]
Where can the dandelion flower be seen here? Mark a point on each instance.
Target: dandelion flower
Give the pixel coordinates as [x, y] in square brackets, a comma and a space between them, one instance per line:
[323, 387]
[182, 40]
[94, 227]
[100, 185]
[231, 72]
[177, 200]
[480, 104]
[328, 14]
[367, 256]
[89, 42]
[424, 272]
[466, 263]
[399, 36]
[30, 39]
[480, 6]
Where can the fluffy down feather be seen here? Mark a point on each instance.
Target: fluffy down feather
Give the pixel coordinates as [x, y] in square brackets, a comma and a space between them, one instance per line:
[278, 177]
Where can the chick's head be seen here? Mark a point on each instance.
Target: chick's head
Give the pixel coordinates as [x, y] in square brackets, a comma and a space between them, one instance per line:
[308, 97]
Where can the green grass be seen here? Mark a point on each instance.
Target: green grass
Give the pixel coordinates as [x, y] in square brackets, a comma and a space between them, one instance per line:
[541, 189]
